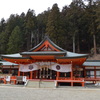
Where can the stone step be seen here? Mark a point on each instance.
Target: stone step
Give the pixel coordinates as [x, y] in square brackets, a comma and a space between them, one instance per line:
[47, 84]
[33, 84]
[40, 84]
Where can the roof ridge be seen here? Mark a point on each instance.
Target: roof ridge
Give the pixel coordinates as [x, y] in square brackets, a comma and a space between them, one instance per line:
[47, 38]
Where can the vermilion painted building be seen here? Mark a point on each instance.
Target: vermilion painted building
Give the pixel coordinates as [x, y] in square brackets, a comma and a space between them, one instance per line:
[49, 62]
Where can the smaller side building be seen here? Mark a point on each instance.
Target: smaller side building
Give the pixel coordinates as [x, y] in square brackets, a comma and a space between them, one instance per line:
[8, 68]
[92, 70]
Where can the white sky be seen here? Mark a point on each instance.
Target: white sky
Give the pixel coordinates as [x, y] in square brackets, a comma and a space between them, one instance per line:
[8, 7]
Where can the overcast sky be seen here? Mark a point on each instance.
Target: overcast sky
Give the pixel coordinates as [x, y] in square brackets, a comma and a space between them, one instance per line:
[8, 7]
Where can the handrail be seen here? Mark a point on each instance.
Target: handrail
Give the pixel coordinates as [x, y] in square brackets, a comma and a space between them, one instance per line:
[68, 78]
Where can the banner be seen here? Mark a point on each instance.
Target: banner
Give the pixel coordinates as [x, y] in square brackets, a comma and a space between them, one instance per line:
[28, 67]
[39, 65]
[61, 67]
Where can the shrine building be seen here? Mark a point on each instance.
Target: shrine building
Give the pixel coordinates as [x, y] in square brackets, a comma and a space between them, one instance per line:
[48, 62]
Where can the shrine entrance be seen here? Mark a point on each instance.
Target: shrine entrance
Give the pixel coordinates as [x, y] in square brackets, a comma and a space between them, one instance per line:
[46, 73]
[46, 70]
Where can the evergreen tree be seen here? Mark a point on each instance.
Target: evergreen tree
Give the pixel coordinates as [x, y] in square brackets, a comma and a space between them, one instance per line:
[98, 25]
[42, 20]
[91, 12]
[3, 42]
[30, 26]
[15, 41]
[54, 28]
[2, 25]
[74, 16]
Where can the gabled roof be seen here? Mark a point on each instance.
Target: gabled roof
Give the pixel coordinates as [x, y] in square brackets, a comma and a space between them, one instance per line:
[45, 49]
[47, 39]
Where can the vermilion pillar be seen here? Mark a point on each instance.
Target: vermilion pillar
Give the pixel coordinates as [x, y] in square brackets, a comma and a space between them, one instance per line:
[31, 73]
[23, 73]
[95, 73]
[18, 73]
[71, 71]
[58, 74]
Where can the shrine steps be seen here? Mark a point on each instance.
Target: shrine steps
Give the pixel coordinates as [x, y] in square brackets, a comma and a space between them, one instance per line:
[40, 84]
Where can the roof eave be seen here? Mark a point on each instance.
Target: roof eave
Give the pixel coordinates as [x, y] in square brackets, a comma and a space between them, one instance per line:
[72, 57]
[15, 57]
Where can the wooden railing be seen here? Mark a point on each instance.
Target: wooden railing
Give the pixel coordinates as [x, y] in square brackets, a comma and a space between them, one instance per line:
[92, 79]
[68, 78]
[71, 80]
[12, 79]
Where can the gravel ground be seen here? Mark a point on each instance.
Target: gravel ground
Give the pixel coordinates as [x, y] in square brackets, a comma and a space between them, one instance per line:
[69, 93]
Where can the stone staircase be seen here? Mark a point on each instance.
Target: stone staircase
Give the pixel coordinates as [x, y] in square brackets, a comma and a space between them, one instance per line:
[47, 84]
[40, 84]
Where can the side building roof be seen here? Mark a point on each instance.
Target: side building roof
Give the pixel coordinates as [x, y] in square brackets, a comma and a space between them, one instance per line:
[6, 63]
[92, 63]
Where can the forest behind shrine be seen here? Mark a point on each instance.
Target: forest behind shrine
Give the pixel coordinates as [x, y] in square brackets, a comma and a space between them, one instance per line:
[74, 28]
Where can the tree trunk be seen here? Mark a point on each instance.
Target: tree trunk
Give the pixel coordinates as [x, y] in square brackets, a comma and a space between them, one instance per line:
[28, 40]
[78, 44]
[31, 39]
[74, 43]
[94, 42]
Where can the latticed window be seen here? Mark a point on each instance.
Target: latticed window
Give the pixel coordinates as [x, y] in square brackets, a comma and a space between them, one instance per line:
[97, 73]
[90, 73]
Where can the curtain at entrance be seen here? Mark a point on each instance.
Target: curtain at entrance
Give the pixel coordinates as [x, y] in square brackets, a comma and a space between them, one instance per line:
[61, 67]
[28, 67]
[55, 67]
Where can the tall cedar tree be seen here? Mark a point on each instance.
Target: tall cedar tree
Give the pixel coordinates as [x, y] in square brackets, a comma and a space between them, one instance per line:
[91, 12]
[42, 20]
[54, 28]
[30, 24]
[15, 41]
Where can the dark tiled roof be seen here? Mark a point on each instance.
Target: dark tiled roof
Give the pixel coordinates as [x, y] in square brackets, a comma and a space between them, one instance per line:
[43, 53]
[52, 43]
[67, 54]
[70, 55]
[15, 56]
